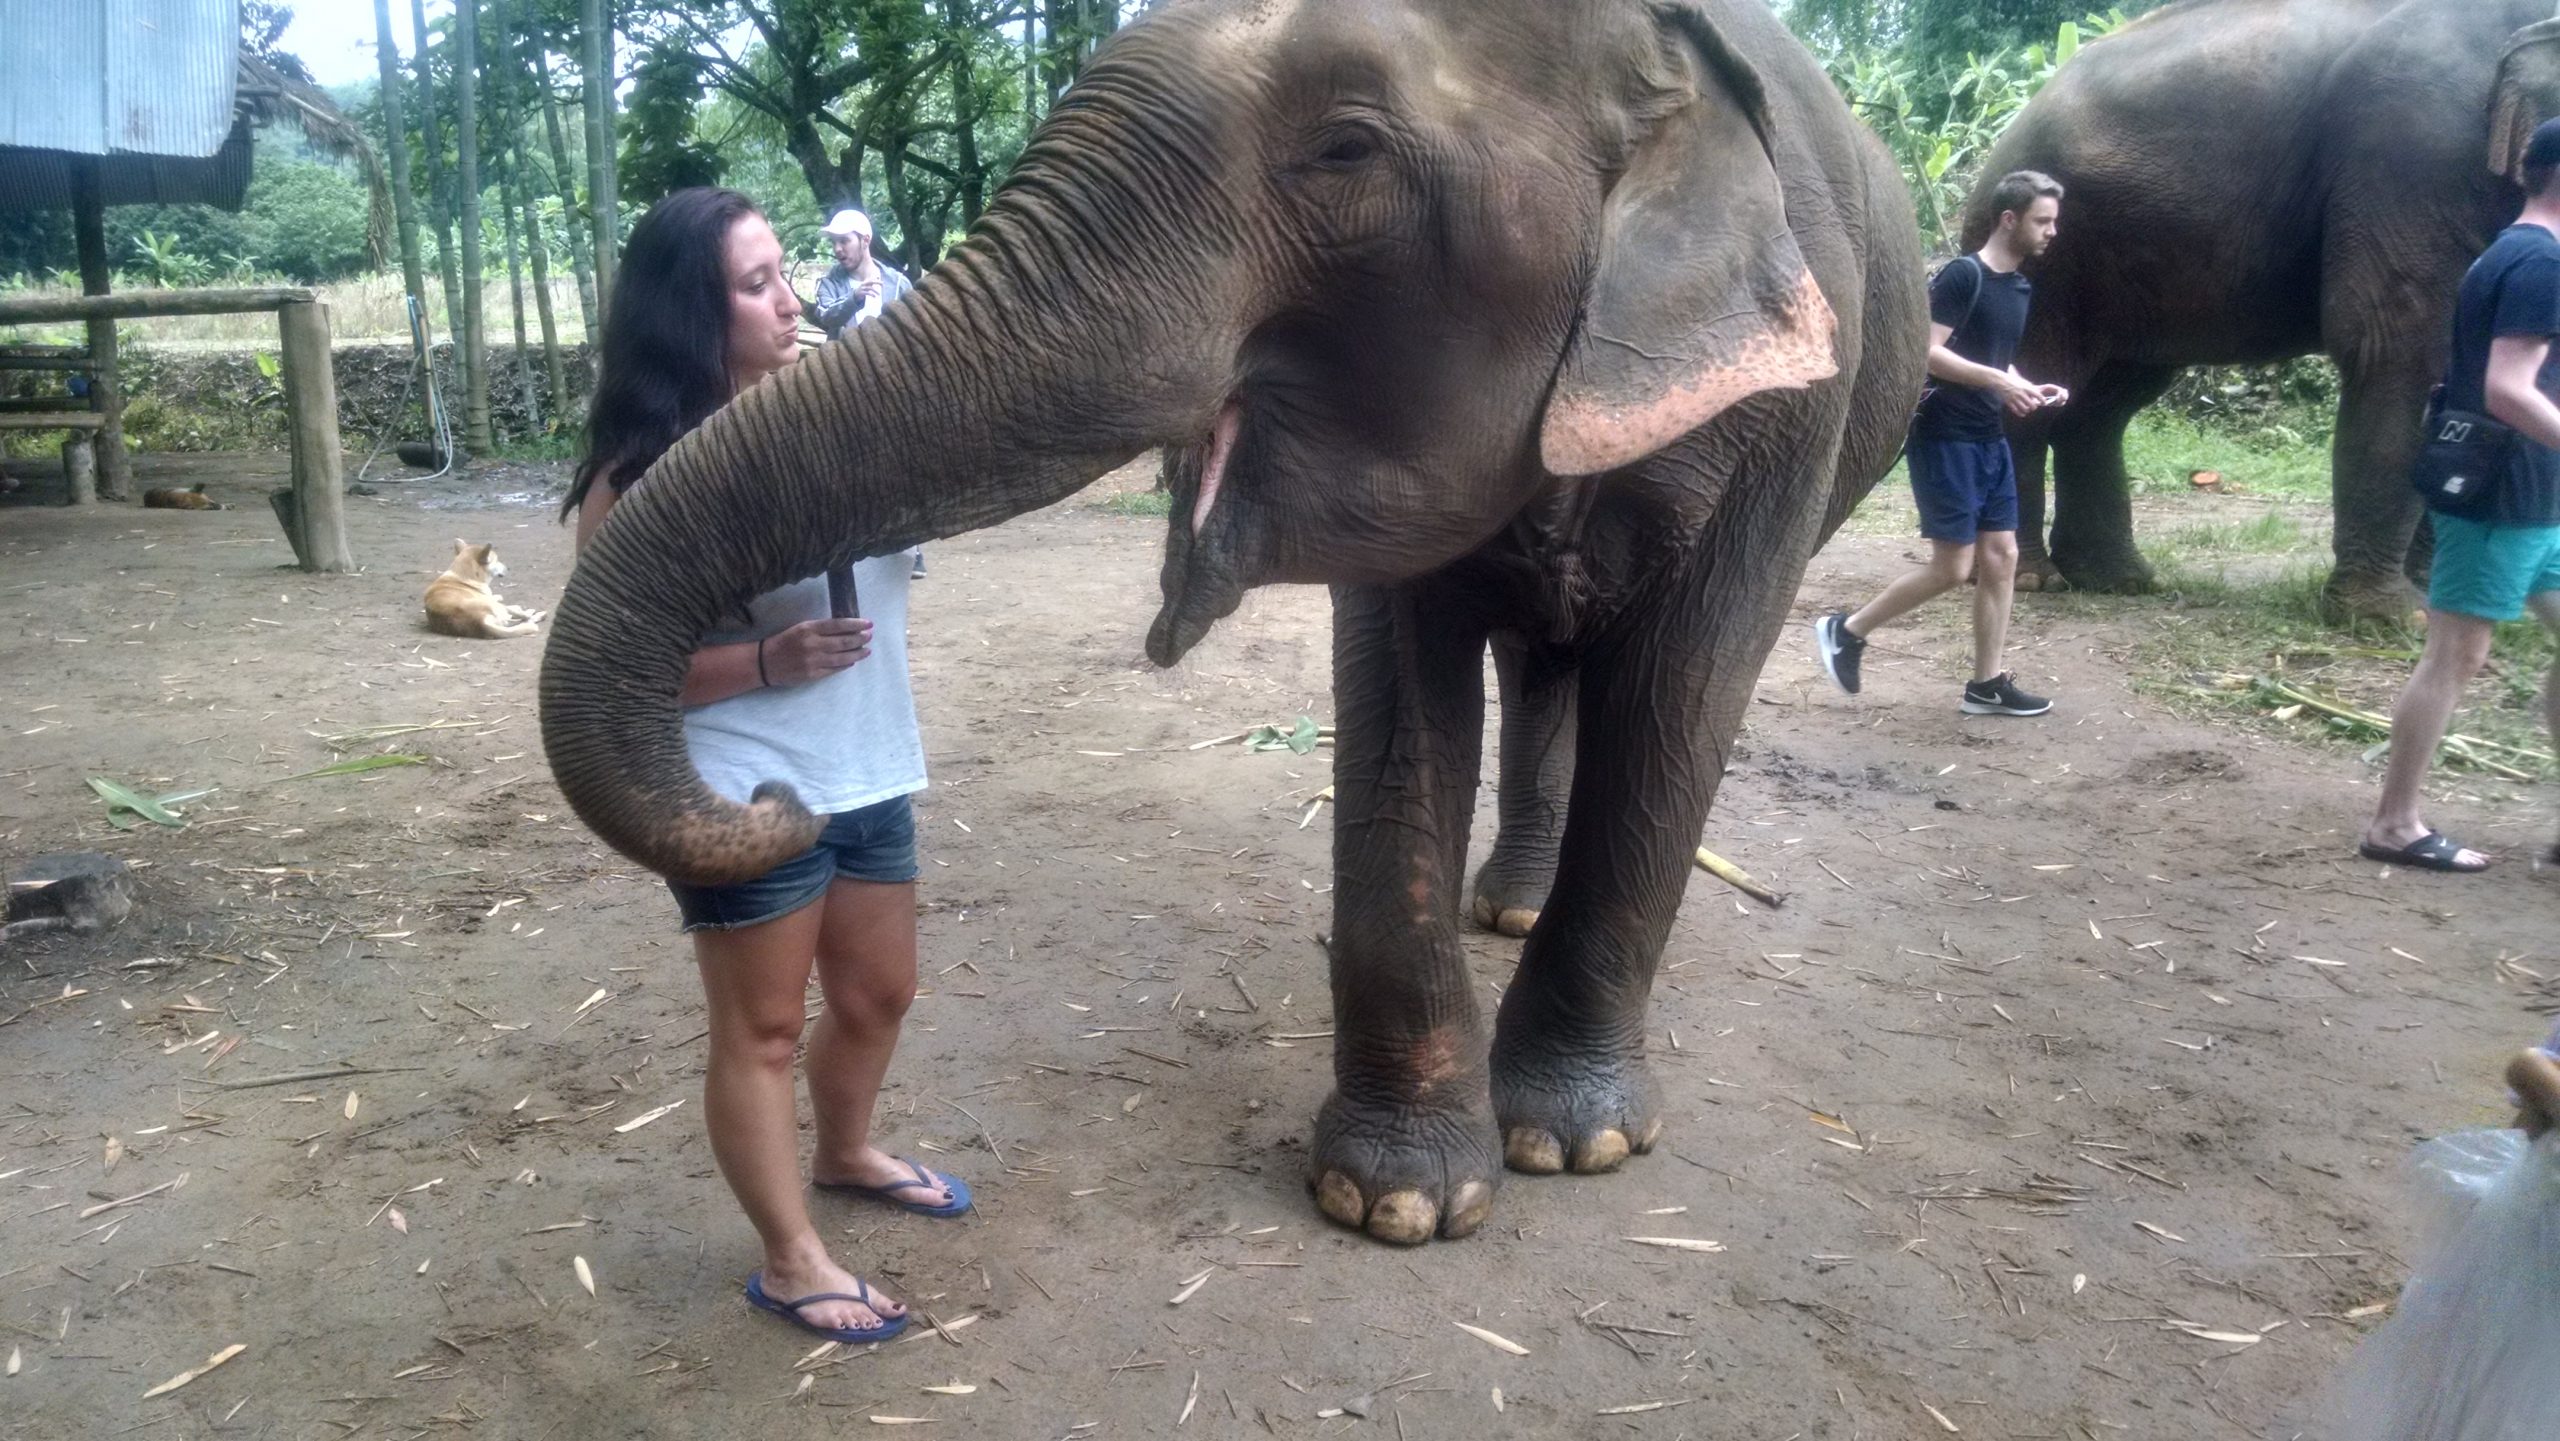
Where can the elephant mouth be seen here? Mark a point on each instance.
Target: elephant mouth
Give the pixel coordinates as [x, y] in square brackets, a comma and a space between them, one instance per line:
[1202, 581]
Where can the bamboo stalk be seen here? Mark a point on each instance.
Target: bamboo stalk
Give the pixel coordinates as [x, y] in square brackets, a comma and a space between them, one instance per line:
[1734, 876]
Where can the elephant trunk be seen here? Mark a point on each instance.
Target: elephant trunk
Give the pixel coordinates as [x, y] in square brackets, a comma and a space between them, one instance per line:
[993, 390]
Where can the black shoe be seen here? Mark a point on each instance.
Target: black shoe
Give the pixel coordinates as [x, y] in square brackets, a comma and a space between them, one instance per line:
[1840, 651]
[2000, 696]
[916, 572]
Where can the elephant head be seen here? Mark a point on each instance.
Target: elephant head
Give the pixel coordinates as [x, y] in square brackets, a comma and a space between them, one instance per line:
[1374, 272]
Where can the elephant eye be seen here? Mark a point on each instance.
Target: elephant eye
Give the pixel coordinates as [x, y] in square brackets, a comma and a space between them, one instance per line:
[1350, 148]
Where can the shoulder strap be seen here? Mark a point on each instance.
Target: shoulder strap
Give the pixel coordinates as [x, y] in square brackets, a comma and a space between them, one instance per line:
[1981, 273]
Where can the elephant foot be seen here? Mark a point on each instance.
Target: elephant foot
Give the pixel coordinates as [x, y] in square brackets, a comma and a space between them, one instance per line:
[2039, 573]
[1565, 1109]
[2108, 572]
[2386, 596]
[1508, 897]
[1404, 1172]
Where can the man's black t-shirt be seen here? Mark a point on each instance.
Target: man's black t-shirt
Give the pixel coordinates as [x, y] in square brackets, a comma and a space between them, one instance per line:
[1988, 336]
[2511, 291]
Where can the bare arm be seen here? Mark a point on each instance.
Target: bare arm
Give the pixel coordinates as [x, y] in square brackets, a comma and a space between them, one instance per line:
[2515, 397]
[808, 651]
[2007, 386]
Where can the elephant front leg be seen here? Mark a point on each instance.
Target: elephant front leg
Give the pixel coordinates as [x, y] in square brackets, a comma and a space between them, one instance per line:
[1537, 776]
[1405, 1148]
[1571, 1086]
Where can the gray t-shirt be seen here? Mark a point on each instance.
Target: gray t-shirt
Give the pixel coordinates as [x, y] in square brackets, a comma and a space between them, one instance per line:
[842, 743]
[840, 307]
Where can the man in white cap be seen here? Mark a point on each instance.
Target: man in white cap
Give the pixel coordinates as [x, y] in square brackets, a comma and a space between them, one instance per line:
[857, 287]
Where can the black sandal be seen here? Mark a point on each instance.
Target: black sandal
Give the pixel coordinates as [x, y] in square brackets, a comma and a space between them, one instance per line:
[2433, 851]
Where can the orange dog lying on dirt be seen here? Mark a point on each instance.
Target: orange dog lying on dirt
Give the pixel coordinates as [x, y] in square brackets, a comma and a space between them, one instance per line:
[464, 601]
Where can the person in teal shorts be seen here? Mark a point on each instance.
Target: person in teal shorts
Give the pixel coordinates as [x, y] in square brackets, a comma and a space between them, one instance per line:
[2500, 565]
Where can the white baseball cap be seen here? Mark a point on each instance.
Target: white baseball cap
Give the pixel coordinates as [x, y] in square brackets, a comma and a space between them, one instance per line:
[849, 222]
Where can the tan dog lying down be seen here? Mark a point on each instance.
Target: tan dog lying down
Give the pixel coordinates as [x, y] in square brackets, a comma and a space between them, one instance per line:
[463, 601]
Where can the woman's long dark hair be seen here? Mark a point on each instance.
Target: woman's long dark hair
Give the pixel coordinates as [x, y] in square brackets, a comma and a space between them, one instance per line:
[663, 364]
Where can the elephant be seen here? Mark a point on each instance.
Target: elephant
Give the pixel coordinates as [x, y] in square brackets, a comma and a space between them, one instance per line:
[2250, 182]
[1581, 325]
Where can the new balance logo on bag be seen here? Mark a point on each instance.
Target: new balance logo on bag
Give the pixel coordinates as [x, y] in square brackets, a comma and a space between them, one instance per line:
[2455, 432]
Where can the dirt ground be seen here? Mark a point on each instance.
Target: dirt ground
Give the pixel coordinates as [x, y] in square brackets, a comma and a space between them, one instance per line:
[2075, 1037]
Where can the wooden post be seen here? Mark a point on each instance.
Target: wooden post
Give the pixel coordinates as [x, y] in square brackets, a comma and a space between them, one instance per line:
[79, 470]
[89, 225]
[311, 407]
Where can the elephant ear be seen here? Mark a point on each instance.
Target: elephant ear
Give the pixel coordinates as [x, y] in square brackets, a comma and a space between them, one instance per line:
[2526, 94]
[1700, 297]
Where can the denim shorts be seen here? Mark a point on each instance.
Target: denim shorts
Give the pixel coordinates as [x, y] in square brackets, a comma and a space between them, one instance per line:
[1964, 488]
[876, 844]
[2490, 571]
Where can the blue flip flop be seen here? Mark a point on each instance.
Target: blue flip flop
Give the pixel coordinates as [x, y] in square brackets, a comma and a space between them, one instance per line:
[958, 1205]
[850, 1335]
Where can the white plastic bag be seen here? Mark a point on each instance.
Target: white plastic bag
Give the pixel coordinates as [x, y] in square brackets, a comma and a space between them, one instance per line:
[2473, 1351]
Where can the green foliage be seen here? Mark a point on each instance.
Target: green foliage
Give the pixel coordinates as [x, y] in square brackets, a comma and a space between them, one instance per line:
[163, 264]
[1935, 34]
[660, 152]
[1941, 117]
[307, 219]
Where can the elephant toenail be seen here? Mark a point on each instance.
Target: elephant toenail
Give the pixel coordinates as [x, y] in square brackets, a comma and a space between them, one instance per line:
[1405, 1217]
[1469, 1205]
[1516, 922]
[1652, 1133]
[1483, 912]
[1338, 1196]
[1603, 1152]
[1529, 1149]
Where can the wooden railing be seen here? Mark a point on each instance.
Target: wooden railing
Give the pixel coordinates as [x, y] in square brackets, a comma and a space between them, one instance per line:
[314, 511]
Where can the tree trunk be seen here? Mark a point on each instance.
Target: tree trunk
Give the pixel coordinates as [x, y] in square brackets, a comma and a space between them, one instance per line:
[893, 172]
[97, 277]
[404, 207]
[510, 203]
[1030, 75]
[539, 251]
[966, 112]
[476, 439]
[581, 238]
[834, 182]
[598, 67]
[439, 213]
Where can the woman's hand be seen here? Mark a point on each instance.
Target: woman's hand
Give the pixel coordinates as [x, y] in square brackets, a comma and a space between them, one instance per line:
[813, 650]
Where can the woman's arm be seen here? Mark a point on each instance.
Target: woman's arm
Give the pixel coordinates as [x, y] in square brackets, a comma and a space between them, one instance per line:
[808, 651]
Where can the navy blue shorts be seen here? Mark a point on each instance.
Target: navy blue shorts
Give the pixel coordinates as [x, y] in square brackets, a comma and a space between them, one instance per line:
[1964, 487]
[875, 843]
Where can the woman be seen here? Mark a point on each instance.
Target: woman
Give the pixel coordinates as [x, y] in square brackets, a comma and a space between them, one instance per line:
[791, 691]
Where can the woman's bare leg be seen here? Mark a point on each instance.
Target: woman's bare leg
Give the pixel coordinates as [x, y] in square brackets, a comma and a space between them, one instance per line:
[755, 981]
[867, 971]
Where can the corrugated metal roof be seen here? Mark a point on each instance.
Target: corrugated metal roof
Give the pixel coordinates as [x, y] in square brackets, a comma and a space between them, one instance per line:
[108, 77]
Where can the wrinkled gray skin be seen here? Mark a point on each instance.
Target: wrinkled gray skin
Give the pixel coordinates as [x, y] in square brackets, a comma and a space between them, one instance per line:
[1496, 316]
[2254, 180]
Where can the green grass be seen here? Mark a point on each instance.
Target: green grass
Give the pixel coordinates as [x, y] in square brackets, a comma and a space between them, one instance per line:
[2210, 623]
[1137, 504]
[2161, 450]
[2271, 533]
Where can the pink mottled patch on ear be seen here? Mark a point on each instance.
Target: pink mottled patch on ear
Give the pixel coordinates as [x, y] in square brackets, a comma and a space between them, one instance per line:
[1791, 346]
